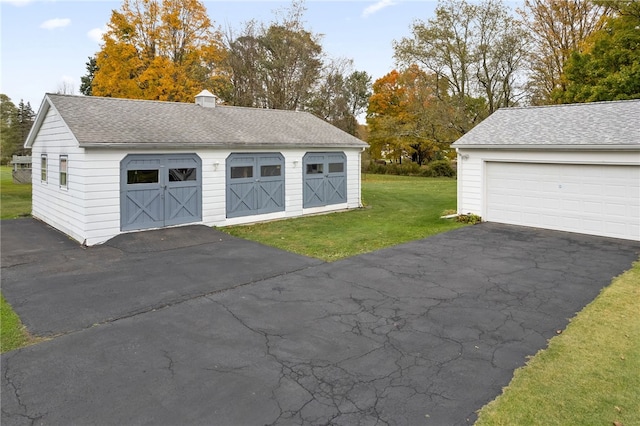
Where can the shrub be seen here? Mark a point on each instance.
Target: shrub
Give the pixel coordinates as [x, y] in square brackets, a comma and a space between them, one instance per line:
[441, 168]
[375, 168]
[426, 172]
[404, 169]
[469, 218]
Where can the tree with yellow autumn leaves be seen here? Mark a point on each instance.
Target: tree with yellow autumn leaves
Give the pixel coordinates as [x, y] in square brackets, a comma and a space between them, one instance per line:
[411, 114]
[169, 50]
[159, 49]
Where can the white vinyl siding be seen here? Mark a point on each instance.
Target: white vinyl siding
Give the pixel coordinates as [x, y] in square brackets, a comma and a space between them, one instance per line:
[81, 196]
[60, 207]
[100, 172]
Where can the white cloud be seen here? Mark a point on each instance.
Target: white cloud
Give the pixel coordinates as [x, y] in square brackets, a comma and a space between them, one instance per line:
[96, 34]
[376, 7]
[17, 2]
[52, 24]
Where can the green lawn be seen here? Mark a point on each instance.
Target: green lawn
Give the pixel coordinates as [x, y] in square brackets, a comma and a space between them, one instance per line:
[398, 209]
[13, 334]
[15, 200]
[588, 375]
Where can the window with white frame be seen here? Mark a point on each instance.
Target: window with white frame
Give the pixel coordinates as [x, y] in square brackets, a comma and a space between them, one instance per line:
[63, 172]
[43, 168]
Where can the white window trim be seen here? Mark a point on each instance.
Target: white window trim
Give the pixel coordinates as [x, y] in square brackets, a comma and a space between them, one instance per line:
[45, 170]
[64, 158]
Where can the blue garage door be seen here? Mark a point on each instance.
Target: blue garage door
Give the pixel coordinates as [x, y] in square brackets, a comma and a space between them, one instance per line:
[160, 190]
[255, 184]
[325, 179]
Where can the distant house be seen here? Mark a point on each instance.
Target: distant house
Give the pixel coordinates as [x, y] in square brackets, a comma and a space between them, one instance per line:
[572, 168]
[103, 166]
[21, 168]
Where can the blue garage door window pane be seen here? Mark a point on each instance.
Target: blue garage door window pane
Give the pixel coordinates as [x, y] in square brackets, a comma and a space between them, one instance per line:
[241, 172]
[142, 176]
[182, 175]
[270, 171]
[314, 169]
[336, 167]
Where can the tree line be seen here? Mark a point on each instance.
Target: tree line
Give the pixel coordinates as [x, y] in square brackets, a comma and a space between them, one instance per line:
[472, 58]
[170, 50]
[453, 70]
[15, 124]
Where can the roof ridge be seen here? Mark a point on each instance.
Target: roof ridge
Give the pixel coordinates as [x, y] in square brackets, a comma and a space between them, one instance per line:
[575, 104]
[109, 98]
[106, 121]
[262, 109]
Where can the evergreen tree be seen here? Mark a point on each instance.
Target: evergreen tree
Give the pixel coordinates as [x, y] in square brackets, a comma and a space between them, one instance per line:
[24, 121]
[86, 81]
[15, 124]
[7, 131]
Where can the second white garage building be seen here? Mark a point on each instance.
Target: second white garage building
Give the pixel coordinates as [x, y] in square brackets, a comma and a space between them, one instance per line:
[572, 168]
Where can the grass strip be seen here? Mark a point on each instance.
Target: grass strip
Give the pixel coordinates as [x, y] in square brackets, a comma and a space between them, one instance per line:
[588, 375]
[15, 199]
[397, 209]
[13, 334]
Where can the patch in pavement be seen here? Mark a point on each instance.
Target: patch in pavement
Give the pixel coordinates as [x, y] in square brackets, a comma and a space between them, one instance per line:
[28, 240]
[158, 240]
[70, 287]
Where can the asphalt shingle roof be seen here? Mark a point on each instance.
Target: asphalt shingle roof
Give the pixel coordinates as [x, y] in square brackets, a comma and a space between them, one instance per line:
[614, 124]
[97, 121]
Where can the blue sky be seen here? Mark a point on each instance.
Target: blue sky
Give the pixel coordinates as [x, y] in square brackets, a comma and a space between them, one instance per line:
[47, 42]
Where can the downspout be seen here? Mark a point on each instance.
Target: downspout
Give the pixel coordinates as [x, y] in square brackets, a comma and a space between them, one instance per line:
[360, 205]
[459, 177]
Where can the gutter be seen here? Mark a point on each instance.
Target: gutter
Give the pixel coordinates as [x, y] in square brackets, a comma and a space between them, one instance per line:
[598, 147]
[182, 146]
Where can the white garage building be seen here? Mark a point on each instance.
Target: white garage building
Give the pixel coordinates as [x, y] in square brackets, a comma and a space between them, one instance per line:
[102, 166]
[572, 168]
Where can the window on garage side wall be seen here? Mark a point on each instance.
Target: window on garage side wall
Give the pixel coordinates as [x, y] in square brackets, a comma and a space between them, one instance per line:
[43, 168]
[64, 183]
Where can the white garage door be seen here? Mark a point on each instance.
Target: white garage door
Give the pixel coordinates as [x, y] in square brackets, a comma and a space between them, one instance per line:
[590, 199]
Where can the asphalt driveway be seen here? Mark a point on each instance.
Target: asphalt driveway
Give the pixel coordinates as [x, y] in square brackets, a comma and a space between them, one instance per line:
[190, 326]
[57, 286]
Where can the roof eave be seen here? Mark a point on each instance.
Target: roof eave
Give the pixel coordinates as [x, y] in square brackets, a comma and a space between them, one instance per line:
[175, 146]
[35, 128]
[581, 147]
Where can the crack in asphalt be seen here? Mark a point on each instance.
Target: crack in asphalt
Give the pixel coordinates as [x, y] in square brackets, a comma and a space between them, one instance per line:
[170, 363]
[414, 339]
[326, 383]
[330, 386]
[18, 398]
